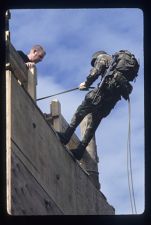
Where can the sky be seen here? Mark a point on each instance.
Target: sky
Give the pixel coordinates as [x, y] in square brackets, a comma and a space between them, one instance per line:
[70, 37]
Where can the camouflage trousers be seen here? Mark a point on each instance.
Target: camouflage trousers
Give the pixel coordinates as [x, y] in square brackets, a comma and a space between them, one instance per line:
[95, 111]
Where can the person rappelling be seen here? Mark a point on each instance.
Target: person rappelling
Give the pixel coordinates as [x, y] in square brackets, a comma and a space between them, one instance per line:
[116, 73]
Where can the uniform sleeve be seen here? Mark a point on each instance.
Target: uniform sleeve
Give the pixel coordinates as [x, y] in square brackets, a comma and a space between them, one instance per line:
[96, 71]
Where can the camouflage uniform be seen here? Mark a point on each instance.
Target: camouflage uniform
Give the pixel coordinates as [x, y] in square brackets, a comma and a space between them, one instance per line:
[98, 103]
[104, 102]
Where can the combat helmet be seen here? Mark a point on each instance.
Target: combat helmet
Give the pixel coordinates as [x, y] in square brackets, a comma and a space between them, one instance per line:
[95, 55]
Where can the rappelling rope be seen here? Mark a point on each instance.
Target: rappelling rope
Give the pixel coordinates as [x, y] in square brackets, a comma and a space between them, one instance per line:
[64, 92]
[129, 163]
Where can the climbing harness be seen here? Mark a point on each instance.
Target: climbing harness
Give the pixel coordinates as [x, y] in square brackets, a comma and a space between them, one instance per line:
[129, 163]
[63, 92]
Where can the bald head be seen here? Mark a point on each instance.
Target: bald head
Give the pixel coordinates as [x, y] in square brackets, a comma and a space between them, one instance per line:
[36, 54]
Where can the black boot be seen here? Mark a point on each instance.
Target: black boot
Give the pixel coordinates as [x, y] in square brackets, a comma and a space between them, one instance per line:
[79, 151]
[65, 137]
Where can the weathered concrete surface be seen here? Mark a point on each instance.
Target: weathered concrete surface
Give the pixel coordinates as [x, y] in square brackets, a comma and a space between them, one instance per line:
[15, 62]
[40, 167]
[32, 82]
[91, 159]
[28, 196]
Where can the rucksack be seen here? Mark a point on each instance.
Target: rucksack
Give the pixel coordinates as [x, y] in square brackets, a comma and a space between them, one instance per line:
[127, 64]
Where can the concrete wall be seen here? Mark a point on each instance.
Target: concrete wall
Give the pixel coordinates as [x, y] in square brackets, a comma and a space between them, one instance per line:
[42, 176]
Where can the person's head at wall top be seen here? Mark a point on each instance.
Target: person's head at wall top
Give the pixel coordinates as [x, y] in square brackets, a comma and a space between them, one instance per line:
[36, 54]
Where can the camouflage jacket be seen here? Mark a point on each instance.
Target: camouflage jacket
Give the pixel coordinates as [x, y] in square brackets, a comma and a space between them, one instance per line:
[101, 64]
[116, 84]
